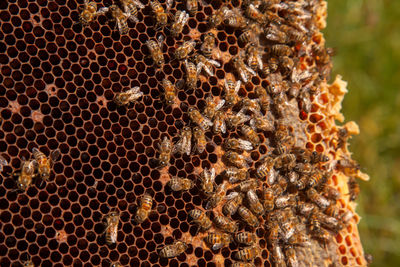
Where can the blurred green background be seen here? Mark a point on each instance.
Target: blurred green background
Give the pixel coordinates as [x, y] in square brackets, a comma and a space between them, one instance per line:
[366, 36]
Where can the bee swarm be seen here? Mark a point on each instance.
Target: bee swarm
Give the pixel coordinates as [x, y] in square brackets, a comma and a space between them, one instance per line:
[258, 115]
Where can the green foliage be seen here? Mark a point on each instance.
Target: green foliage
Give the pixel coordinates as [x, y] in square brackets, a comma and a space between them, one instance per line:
[366, 36]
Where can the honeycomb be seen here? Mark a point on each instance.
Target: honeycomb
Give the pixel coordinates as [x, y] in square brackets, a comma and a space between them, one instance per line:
[57, 85]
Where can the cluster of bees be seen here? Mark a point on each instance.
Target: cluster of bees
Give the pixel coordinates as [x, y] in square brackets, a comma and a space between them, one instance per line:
[285, 191]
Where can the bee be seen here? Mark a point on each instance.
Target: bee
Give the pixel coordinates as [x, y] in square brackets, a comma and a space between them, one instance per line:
[317, 178]
[201, 219]
[192, 6]
[293, 177]
[302, 182]
[144, 208]
[269, 68]
[273, 229]
[205, 64]
[199, 119]
[173, 250]
[247, 216]
[115, 264]
[262, 123]
[155, 49]
[89, 12]
[245, 238]
[284, 146]
[243, 264]
[253, 13]
[180, 19]
[250, 184]
[281, 50]
[235, 20]
[218, 240]
[287, 228]
[291, 258]
[313, 195]
[131, 7]
[328, 222]
[250, 134]
[286, 65]
[236, 175]
[292, 34]
[191, 75]
[217, 197]
[234, 201]
[275, 34]
[244, 71]
[237, 119]
[264, 169]
[299, 239]
[238, 144]
[275, 86]
[218, 17]
[25, 177]
[282, 202]
[264, 99]
[316, 157]
[231, 90]
[354, 188]
[346, 217]
[159, 12]
[28, 263]
[207, 181]
[268, 197]
[165, 149]
[131, 95]
[280, 185]
[277, 255]
[119, 17]
[226, 224]
[200, 138]
[219, 122]
[287, 161]
[185, 49]
[3, 162]
[44, 163]
[236, 159]
[250, 33]
[184, 144]
[250, 105]
[111, 230]
[254, 203]
[169, 92]
[305, 208]
[322, 235]
[212, 106]
[208, 44]
[180, 184]
[248, 253]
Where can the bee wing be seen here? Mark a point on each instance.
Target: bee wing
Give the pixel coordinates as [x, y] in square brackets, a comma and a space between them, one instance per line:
[30, 168]
[188, 146]
[103, 10]
[244, 144]
[250, 70]
[138, 4]
[253, 123]
[169, 4]
[3, 162]
[184, 17]
[220, 104]
[217, 246]
[237, 86]
[54, 155]
[212, 174]
[260, 63]
[160, 40]
[232, 195]
[208, 121]
[214, 62]
[199, 67]
[132, 18]
[243, 75]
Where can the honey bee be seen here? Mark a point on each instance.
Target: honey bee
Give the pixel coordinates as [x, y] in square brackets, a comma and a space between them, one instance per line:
[169, 92]
[322, 235]
[281, 50]
[291, 258]
[287, 161]
[280, 185]
[245, 238]
[219, 122]
[276, 86]
[212, 106]
[235, 120]
[173, 250]
[302, 182]
[217, 197]
[165, 149]
[131, 95]
[235, 20]
[237, 144]
[159, 12]
[277, 255]
[254, 203]
[292, 34]
[250, 184]
[243, 264]
[131, 7]
[287, 228]
[250, 134]
[236, 175]
[226, 224]
[268, 197]
[231, 90]
[253, 13]
[247, 216]
[253, 57]
[155, 49]
[200, 120]
[119, 17]
[284, 146]
[263, 98]
[244, 71]
[316, 157]
[275, 34]
[192, 6]
[250, 105]
[328, 222]
[115, 264]
[144, 208]
[250, 33]
[354, 188]
[262, 123]
[205, 64]
[43, 163]
[25, 177]
[286, 65]
[330, 192]
[266, 166]
[293, 177]
[208, 45]
[305, 208]
[200, 138]
[218, 17]
[207, 181]
[180, 184]
[218, 240]
[234, 201]
[111, 230]
[247, 253]
[191, 75]
[299, 239]
[273, 229]
[237, 160]
[313, 195]
[201, 219]
[185, 49]
[269, 68]
[184, 144]
[282, 202]
[3, 162]
[28, 263]
[346, 217]
[180, 19]
[317, 178]
[89, 12]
